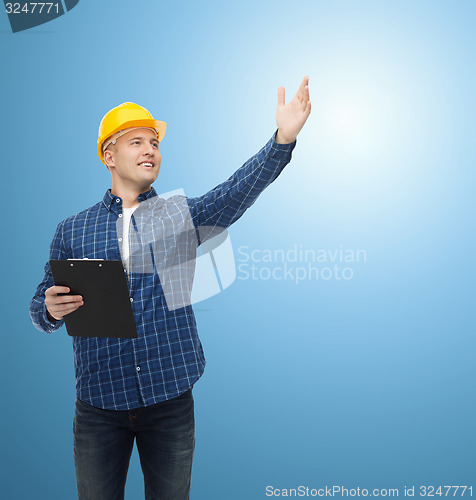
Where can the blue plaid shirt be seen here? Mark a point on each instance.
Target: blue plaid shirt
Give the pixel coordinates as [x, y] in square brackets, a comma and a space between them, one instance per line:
[166, 358]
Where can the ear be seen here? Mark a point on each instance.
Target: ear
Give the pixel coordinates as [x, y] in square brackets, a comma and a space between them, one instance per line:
[109, 158]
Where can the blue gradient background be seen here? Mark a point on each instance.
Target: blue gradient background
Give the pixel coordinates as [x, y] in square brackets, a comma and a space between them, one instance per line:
[368, 382]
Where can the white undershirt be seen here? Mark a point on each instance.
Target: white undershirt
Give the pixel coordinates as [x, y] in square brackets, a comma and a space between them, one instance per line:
[126, 219]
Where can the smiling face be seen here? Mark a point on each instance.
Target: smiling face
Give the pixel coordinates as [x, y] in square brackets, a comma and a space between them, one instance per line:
[134, 161]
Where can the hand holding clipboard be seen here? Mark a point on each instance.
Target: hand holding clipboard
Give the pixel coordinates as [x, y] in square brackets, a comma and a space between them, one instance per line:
[60, 302]
[106, 309]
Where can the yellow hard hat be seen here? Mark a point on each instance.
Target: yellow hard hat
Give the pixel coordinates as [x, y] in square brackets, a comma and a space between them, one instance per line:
[127, 115]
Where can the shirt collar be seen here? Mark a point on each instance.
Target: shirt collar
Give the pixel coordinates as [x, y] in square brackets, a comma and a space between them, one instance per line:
[110, 201]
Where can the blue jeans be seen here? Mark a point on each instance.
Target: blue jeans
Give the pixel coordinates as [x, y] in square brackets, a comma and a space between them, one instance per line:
[103, 442]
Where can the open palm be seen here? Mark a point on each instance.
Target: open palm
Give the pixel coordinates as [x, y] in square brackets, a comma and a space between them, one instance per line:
[291, 117]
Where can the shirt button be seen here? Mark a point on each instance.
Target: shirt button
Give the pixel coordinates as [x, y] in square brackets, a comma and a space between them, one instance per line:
[132, 300]
[138, 368]
[120, 239]
[120, 215]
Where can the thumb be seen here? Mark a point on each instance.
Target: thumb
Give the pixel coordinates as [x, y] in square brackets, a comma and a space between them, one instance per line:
[280, 96]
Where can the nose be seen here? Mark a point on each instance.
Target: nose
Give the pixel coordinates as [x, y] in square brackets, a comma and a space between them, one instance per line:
[148, 149]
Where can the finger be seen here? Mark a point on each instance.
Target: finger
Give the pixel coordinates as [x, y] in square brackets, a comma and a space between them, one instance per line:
[305, 99]
[69, 309]
[61, 311]
[54, 290]
[67, 299]
[306, 88]
[281, 96]
[62, 299]
[307, 111]
[300, 91]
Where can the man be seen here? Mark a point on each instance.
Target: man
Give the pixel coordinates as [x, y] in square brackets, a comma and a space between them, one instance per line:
[141, 388]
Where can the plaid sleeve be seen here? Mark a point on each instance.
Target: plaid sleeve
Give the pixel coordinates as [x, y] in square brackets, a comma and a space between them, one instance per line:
[37, 305]
[227, 202]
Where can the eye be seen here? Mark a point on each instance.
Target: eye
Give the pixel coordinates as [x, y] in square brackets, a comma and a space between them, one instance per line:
[135, 142]
[156, 145]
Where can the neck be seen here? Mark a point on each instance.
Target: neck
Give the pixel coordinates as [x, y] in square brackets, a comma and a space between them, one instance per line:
[128, 196]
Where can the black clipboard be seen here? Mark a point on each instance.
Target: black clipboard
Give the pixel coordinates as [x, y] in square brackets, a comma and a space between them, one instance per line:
[107, 310]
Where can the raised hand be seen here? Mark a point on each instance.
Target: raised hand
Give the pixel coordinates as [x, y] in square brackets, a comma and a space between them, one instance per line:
[291, 117]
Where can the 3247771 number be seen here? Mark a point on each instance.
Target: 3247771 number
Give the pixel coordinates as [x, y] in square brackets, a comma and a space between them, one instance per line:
[431, 491]
[16, 8]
